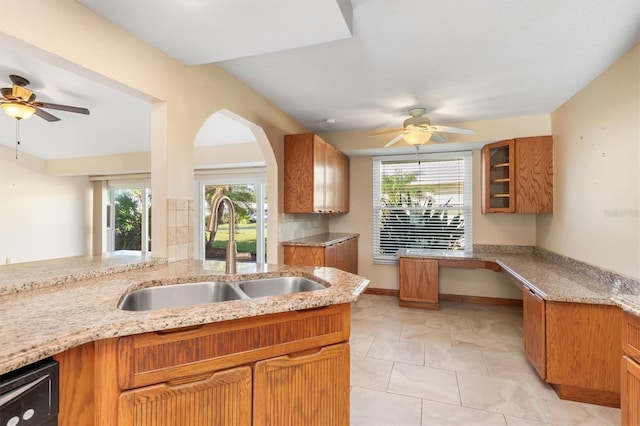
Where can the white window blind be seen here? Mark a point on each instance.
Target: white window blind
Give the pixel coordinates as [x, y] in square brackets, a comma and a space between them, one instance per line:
[421, 202]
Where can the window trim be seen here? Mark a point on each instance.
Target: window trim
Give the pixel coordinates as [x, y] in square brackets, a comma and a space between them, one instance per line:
[467, 207]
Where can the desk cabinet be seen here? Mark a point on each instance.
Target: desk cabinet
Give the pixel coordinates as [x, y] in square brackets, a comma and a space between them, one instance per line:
[418, 283]
[534, 324]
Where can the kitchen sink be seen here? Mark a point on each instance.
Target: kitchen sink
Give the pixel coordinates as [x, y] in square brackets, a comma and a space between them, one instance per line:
[177, 295]
[276, 286]
[173, 296]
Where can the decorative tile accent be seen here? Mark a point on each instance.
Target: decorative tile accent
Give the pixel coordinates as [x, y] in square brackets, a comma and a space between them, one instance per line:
[180, 228]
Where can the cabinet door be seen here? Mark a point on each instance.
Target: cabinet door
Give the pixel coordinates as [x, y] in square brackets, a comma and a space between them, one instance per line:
[630, 389]
[308, 389]
[533, 313]
[498, 177]
[299, 179]
[418, 282]
[320, 152]
[583, 346]
[353, 255]
[223, 399]
[534, 175]
[304, 255]
[331, 256]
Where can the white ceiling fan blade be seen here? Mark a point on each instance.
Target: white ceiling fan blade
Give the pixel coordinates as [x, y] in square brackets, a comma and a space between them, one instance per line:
[447, 129]
[437, 138]
[382, 132]
[394, 140]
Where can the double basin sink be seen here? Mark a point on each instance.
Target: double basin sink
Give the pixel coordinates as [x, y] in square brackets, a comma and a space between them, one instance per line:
[177, 295]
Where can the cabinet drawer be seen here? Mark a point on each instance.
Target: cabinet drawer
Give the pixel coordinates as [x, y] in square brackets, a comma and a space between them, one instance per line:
[150, 358]
[631, 335]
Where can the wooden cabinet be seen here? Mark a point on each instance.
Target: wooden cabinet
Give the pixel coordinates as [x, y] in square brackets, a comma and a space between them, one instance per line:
[517, 176]
[303, 389]
[316, 176]
[214, 374]
[342, 255]
[222, 398]
[533, 316]
[418, 283]
[630, 371]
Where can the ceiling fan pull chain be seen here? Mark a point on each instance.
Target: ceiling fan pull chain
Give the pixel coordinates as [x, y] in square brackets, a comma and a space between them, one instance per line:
[17, 136]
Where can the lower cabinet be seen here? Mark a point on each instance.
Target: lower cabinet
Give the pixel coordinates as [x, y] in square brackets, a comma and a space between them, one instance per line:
[418, 283]
[281, 369]
[574, 347]
[221, 399]
[305, 389]
[342, 255]
[630, 371]
[534, 326]
[630, 389]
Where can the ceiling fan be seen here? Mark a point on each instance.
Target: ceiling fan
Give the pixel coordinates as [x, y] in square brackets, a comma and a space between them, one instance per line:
[20, 102]
[418, 130]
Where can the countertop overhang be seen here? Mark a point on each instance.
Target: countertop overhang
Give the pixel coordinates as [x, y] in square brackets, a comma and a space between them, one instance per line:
[49, 319]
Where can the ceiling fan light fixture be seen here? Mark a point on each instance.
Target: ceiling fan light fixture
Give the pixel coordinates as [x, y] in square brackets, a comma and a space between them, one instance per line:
[417, 138]
[18, 110]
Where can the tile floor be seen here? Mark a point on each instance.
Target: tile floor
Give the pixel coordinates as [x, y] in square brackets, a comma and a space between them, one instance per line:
[460, 365]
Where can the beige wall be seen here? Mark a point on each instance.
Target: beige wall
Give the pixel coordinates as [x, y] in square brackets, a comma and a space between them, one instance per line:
[596, 172]
[66, 33]
[42, 217]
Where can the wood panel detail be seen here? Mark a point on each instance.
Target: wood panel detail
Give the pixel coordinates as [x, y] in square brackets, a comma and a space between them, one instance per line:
[630, 387]
[311, 389]
[299, 174]
[76, 387]
[304, 255]
[631, 335]
[583, 345]
[222, 399]
[153, 358]
[534, 175]
[533, 315]
[342, 255]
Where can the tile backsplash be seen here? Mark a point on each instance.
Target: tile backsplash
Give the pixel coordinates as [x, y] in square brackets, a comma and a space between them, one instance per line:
[180, 227]
[300, 225]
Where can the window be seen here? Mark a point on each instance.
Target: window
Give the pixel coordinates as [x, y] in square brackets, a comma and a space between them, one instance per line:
[247, 191]
[128, 218]
[421, 202]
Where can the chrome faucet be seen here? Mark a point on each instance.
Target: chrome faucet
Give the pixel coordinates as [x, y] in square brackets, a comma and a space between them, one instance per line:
[230, 267]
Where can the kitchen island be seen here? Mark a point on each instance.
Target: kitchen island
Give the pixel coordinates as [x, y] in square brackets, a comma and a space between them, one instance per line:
[122, 364]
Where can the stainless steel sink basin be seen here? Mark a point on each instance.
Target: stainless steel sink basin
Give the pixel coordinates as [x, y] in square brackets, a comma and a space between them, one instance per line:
[173, 296]
[276, 286]
[177, 295]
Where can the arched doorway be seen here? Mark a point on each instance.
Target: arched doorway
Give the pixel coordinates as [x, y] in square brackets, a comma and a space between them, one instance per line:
[233, 156]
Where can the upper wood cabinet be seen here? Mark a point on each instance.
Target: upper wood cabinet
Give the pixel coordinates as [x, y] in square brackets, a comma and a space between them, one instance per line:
[316, 176]
[517, 176]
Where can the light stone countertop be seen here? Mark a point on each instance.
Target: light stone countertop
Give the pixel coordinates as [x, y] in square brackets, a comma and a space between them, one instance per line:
[44, 321]
[321, 240]
[555, 278]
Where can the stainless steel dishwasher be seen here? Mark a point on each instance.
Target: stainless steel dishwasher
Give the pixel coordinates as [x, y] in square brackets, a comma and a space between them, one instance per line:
[29, 395]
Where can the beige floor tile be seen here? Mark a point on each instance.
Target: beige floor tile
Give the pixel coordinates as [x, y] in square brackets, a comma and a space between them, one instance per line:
[375, 408]
[570, 413]
[422, 334]
[360, 345]
[474, 341]
[370, 373]
[386, 333]
[499, 395]
[429, 383]
[439, 356]
[386, 347]
[439, 414]
[508, 364]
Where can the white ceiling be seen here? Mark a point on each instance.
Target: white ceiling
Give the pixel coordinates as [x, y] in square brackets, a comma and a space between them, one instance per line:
[463, 60]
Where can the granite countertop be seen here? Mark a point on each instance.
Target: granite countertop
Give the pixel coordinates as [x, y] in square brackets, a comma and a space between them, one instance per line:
[321, 240]
[47, 319]
[553, 277]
